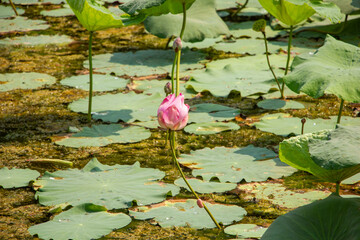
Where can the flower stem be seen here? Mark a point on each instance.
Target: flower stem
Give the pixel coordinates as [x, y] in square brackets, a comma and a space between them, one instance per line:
[90, 76]
[340, 111]
[13, 7]
[184, 21]
[178, 54]
[288, 56]
[172, 144]
[172, 74]
[240, 8]
[268, 62]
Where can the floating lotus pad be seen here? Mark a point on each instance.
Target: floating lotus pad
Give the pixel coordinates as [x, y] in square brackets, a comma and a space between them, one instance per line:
[206, 128]
[61, 12]
[334, 69]
[157, 86]
[279, 195]
[330, 218]
[352, 180]
[226, 4]
[128, 108]
[207, 42]
[202, 22]
[83, 222]
[32, 80]
[36, 2]
[21, 24]
[102, 135]
[7, 11]
[37, 40]
[245, 230]
[144, 62]
[234, 164]
[274, 104]
[148, 124]
[205, 187]
[100, 82]
[241, 29]
[104, 185]
[284, 124]
[14, 178]
[295, 152]
[208, 112]
[183, 213]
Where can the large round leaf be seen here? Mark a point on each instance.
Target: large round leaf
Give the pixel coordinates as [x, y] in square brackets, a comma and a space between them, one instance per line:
[31, 80]
[209, 112]
[83, 222]
[129, 107]
[21, 24]
[102, 135]
[111, 186]
[202, 22]
[144, 62]
[340, 149]
[347, 6]
[186, 213]
[10, 178]
[245, 231]
[234, 164]
[331, 218]
[37, 40]
[206, 128]
[274, 104]
[295, 152]
[334, 68]
[7, 11]
[205, 187]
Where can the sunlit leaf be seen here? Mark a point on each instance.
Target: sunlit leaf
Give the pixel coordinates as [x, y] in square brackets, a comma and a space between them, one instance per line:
[14, 178]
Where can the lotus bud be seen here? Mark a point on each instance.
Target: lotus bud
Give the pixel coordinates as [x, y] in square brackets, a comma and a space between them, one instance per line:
[173, 114]
[199, 203]
[303, 121]
[167, 88]
[259, 25]
[177, 45]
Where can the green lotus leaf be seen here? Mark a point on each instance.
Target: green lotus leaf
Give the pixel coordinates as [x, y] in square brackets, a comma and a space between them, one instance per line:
[23, 2]
[244, 29]
[21, 24]
[295, 152]
[226, 4]
[111, 186]
[83, 222]
[182, 213]
[155, 7]
[352, 180]
[14, 178]
[100, 82]
[209, 112]
[102, 135]
[292, 12]
[330, 218]
[245, 231]
[202, 22]
[234, 164]
[220, 82]
[31, 80]
[334, 69]
[7, 11]
[340, 150]
[128, 108]
[205, 187]
[60, 12]
[144, 62]
[205, 128]
[347, 6]
[94, 16]
[279, 195]
[36, 40]
[282, 124]
[274, 104]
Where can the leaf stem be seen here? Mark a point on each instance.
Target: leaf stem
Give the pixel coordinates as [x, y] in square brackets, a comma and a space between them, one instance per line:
[172, 74]
[178, 54]
[13, 7]
[184, 21]
[268, 62]
[340, 111]
[240, 8]
[288, 55]
[172, 144]
[90, 76]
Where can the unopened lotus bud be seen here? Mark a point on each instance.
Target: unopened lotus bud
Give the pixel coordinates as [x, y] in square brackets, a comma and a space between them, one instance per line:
[303, 121]
[199, 203]
[177, 45]
[167, 88]
[259, 25]
[173, 114]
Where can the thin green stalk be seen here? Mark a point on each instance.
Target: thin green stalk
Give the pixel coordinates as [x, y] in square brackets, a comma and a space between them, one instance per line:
[288, 56]
[184, 21]
[178, 54]
[13, 7]
[172, 74]
[240, 8]
[337, 191]
[184, 178]
[90, 76]
[268, 62]
[340, 111]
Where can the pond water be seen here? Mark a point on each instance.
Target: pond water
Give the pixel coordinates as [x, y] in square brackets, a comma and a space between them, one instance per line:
[44, 117]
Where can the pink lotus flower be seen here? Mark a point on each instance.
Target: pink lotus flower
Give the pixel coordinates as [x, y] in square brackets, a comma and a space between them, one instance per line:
[173, 113]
